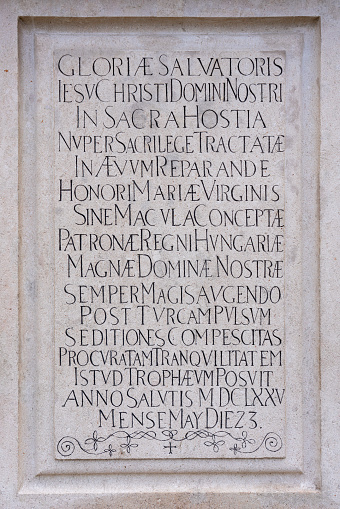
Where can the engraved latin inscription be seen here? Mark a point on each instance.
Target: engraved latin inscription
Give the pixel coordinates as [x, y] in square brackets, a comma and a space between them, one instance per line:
[169, 254]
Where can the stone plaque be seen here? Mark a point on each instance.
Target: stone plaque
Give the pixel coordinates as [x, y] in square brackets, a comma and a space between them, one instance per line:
[169, 267]
[169, 254]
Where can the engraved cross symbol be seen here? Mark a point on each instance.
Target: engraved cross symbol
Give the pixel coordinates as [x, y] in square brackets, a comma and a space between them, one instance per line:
[170, 447]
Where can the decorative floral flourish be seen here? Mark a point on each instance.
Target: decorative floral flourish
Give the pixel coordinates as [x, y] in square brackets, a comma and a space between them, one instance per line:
[128, 441]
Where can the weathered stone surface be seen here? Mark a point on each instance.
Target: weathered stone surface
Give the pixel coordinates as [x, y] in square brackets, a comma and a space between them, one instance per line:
[169, 275]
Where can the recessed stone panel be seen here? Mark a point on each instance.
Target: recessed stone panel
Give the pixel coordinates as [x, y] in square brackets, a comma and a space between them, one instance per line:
[168, 316]
[169, 198]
